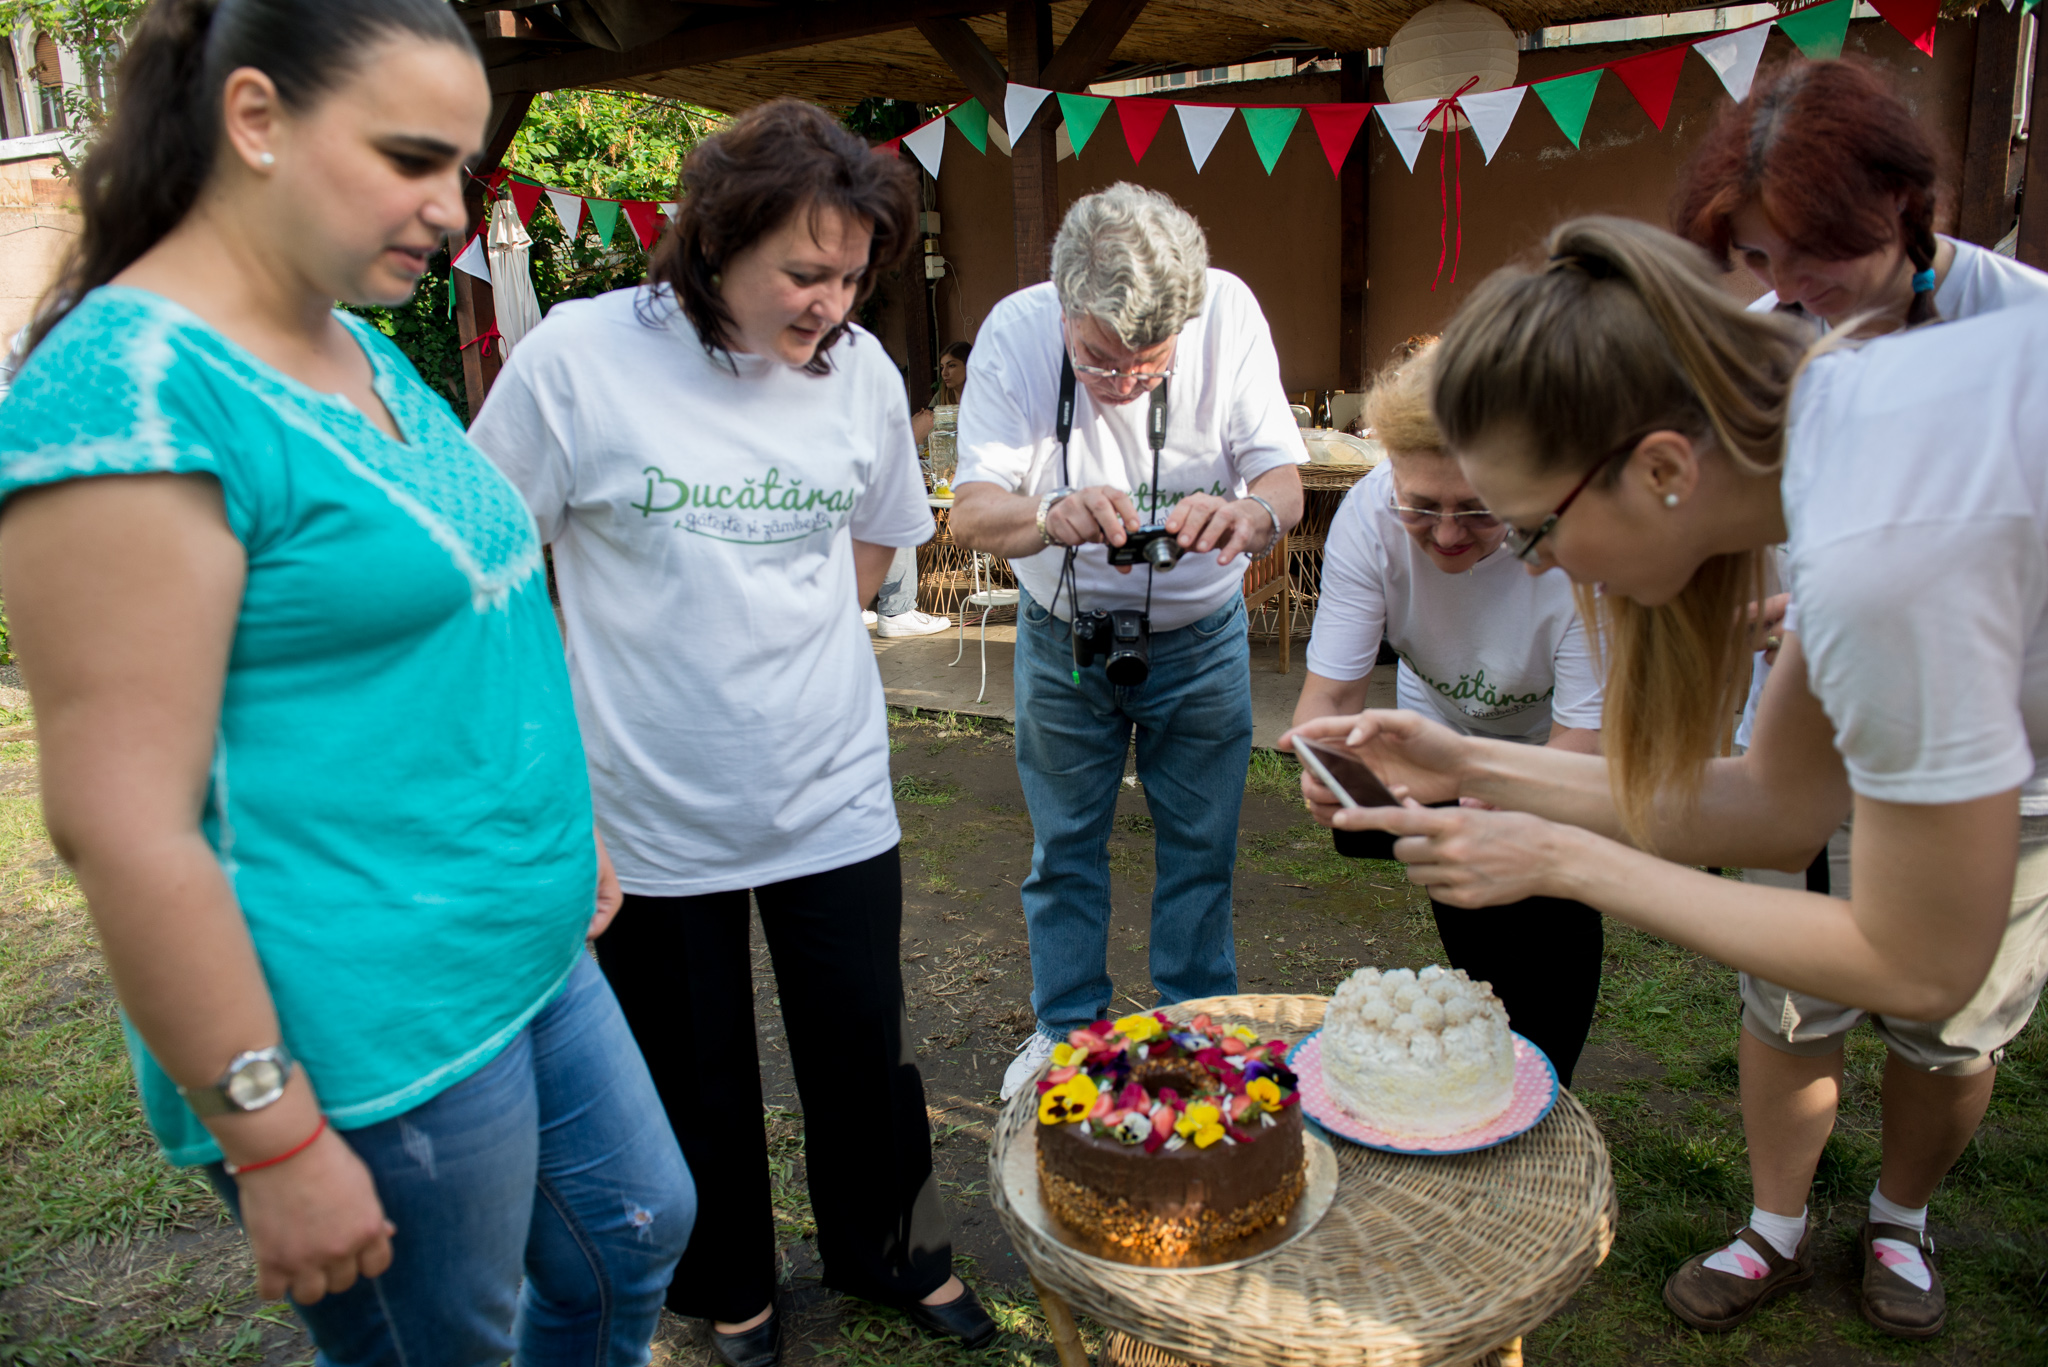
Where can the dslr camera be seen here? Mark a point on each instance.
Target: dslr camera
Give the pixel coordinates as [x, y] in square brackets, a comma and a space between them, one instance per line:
[1149, 545]
[1123, 636]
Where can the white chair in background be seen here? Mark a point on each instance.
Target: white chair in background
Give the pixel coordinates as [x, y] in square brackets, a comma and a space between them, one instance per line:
[988, 598]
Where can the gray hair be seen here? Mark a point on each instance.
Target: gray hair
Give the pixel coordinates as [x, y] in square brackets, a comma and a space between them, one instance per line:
[1134, 261]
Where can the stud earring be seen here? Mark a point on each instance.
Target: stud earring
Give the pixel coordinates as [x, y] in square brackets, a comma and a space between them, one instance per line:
[1671, 500]
[717, 280]
[266, 159]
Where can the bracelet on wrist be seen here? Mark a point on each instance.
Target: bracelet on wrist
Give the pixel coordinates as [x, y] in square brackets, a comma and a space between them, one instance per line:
[237, 1169]
[1275, 539]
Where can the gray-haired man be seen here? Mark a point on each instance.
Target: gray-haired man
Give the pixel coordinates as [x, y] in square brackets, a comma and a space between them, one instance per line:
[1146, 340]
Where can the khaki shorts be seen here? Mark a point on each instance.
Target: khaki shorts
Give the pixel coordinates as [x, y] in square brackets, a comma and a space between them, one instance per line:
[1968, 1042]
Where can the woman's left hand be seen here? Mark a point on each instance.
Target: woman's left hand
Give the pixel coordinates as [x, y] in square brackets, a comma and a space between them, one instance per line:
[1469, 857]
[609, 897]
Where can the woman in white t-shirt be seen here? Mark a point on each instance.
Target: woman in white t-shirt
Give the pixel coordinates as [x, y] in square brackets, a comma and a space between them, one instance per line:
[1413, 559]
[1638, 429]
[723, 465]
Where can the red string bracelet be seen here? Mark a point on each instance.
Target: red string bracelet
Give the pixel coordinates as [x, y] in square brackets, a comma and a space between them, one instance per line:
[236, 1170]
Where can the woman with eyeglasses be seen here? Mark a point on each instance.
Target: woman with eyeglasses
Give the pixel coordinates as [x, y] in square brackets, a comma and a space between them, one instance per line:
[1415, 559]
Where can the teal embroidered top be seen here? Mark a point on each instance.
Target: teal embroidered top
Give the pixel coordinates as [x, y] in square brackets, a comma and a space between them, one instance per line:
[398, 793]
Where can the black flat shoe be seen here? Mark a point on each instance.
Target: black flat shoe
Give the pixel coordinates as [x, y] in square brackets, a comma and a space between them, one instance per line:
[960, 1318]
[760, 1346]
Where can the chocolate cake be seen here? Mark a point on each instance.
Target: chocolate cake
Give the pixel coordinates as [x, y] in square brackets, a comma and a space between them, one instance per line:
[1161, 1139]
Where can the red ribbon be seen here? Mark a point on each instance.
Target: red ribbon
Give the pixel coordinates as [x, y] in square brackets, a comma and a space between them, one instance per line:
[1447, 109]
[486, 337]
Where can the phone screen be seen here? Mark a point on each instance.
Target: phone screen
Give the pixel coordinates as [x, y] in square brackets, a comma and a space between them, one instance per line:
[1353, 783]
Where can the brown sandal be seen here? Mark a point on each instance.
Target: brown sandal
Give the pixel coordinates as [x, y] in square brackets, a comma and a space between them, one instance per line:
[1709, 1299]
[1891, 1302]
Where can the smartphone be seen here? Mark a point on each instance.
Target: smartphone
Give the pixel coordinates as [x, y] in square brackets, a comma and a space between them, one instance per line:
[1353, 783]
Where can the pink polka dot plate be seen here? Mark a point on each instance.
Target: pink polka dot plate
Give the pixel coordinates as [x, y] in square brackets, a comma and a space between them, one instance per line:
[1535, 1093]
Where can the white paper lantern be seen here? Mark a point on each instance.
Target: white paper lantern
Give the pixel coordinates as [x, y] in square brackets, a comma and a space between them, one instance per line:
[1447, 45]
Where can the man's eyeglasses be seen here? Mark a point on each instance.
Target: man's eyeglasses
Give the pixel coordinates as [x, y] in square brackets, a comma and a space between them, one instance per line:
[1476, 519]
[1144, 378]
[1523, 544]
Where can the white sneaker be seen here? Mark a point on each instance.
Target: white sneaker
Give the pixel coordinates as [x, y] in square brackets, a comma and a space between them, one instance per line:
[868, 619]
[913, 623]
[1024, 1069]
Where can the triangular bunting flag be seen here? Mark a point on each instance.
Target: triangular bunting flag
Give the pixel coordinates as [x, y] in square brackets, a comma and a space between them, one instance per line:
[1141, 120]
[1818, 30]
[1020, 102]
[1201, 125]
[972, 121]
[1913, 18]
[525, 199]
[475, 260]
[668, 209]
[1403, 123]
[568, 208]
[1491, 114]
[2027, 7]
[892, 147]
[1337, 128]
[1569, 97]
[646, 221]
[1653, 79]
[604, 216]
[1082, 113]
[927, 144]
[1734, 56]
[1270, 129]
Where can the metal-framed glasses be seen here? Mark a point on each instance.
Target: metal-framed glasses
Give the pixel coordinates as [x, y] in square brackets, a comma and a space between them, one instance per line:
[1473, 519]
[1524, 543]
[1143, 378]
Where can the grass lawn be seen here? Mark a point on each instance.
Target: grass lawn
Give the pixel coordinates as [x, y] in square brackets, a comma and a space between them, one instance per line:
[107, 1255]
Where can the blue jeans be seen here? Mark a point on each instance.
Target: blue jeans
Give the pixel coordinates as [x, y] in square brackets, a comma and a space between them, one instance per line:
[1193, 716]
[555, 1163]
[899, 585]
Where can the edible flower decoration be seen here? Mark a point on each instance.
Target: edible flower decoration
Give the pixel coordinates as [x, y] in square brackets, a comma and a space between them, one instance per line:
[1068, 1101]
[1151, 1083]
[1202, 1123]
[1139, 1029]
[1266, 1092]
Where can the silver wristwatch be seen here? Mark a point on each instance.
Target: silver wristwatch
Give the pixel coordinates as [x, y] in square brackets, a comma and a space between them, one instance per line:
[253, 1080]
[1044, 507]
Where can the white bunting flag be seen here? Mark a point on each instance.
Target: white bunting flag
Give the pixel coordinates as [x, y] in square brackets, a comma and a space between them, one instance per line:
[928, 144]
[1020, 102]
[1202, 125]
[998, 139]
[1404, 125]
[668, 209]
[1734, 57]
[568, 208]
[1490, 114]
[475, 259]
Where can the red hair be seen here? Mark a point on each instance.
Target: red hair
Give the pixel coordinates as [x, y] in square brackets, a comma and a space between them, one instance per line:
[1827, 151]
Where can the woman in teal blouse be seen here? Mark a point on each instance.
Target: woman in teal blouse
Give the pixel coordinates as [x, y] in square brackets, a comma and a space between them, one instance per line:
[306, 733]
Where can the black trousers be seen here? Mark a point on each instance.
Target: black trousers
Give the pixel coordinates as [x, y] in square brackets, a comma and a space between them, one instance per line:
[1543, 957]
[682, 972]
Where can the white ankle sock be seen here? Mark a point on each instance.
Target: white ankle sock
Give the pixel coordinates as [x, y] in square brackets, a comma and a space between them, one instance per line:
[1781, 1232]
[1896, 1254]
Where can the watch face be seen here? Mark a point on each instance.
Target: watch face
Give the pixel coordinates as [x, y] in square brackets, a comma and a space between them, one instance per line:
[256, 1084]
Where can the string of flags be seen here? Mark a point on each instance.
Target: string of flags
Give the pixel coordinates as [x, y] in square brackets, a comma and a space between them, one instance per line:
[643, 216]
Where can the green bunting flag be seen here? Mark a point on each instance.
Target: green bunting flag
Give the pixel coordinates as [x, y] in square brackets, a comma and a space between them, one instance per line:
[972, 121]
[1819, 30]
[1568, 98]
[1082, 113]
[604, 216]
[1269, 130]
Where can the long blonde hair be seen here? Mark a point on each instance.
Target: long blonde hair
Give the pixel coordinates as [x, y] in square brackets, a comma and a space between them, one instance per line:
[1627, 330]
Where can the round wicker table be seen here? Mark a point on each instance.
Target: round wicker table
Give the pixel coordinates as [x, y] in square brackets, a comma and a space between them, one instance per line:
[1420, 1260]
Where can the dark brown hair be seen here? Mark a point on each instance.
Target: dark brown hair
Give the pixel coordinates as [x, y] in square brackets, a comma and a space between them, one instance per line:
[775, 160]
[145, 173]
[1823, 148]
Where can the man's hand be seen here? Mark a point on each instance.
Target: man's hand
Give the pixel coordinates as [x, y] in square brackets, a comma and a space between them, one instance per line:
[1098, 513]
[1204, 523]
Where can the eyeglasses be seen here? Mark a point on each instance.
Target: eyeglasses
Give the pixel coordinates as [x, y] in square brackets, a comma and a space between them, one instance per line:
[1478, 519]
[1143, 378]
[1524, 543]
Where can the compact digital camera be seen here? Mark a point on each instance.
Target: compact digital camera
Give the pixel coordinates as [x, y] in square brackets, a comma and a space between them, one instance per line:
[1124, 637]
[1152, 545]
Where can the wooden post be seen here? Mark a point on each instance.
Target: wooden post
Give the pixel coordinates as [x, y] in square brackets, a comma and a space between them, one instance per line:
[2033, 243]
[1059, 1319]
[1354, 262]
[475, 310]
[1034, 155]
[1985, 210]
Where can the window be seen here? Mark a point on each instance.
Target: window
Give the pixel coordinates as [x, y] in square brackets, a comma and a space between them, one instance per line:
[12, 123]
[49, 83]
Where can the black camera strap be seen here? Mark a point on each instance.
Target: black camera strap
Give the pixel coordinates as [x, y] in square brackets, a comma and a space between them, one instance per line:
[1063, 430]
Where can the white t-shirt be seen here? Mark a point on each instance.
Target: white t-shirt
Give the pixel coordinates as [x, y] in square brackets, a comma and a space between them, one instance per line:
[702, 526]
[1916, 495]
[1491, 651]
[1978, 281]
[1227, 423]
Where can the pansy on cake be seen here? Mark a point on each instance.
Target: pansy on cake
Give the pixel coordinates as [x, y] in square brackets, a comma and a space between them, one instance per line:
[1161, 1139]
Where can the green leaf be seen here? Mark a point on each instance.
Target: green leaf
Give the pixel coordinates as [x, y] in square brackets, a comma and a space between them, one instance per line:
[1270, 129]
[1568, 98]
[1819, 30]
[972, 121]
[1082, 113]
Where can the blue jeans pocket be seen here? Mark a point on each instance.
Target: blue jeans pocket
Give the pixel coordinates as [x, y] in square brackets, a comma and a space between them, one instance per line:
[1221, 620]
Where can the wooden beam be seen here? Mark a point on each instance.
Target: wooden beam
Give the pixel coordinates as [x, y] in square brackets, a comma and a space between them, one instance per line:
[1034, 153]
[1090, 44]
[2033, 243]
[968, 58]
[1354, 188]
[776, 30]
[1985, 209]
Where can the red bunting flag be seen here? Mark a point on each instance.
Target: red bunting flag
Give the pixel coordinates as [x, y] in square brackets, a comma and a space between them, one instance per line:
[1337, 128]
[1913, 18]
[646, 221]
[892, 148]
[1141, 120]
[1653, 79]
[525, 198]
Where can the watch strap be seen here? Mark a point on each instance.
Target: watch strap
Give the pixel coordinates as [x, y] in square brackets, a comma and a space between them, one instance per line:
[1045, 507]
[217, 1100]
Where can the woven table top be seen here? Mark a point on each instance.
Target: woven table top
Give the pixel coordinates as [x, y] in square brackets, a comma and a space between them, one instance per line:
[1420, 1260]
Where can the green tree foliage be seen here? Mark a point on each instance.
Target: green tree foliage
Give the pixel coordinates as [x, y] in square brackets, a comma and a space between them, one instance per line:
[96, 30]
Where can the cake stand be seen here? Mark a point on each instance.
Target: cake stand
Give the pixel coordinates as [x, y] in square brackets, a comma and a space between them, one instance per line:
[1421, 1260]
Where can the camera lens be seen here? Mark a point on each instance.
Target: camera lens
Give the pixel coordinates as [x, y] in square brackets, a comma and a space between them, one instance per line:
[1163, 552]
[1127, 669]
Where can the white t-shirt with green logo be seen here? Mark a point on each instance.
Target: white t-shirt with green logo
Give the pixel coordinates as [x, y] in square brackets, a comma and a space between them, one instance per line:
[702, 522]
[1227, 423]
[1491, 651]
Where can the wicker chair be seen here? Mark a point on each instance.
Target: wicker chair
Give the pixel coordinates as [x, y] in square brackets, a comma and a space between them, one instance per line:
[1267, 578]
